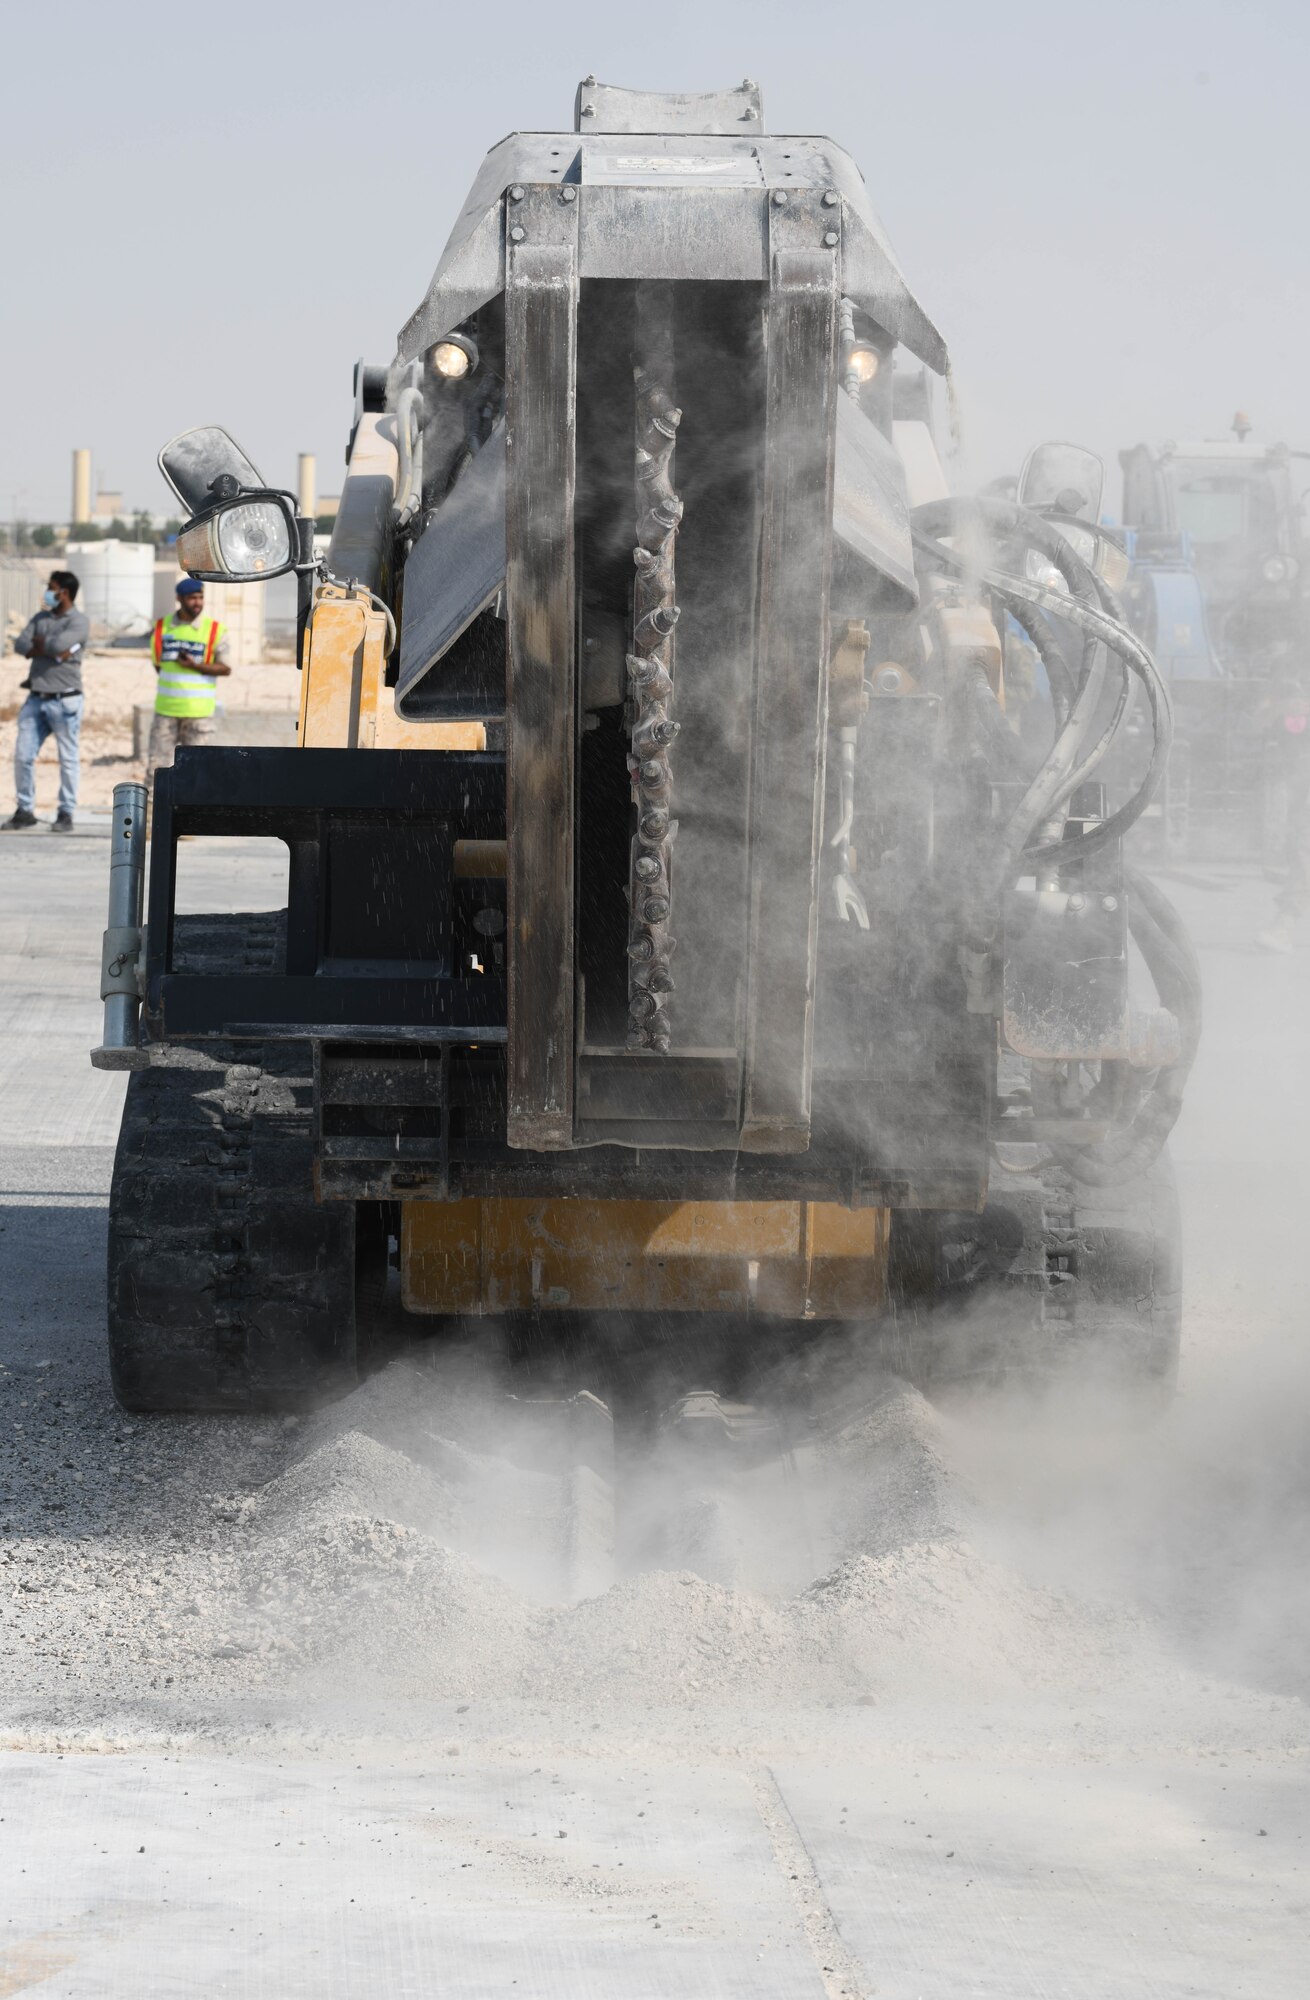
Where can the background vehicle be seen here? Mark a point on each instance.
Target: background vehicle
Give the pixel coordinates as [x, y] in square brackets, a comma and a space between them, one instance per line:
[1220, 592]
[630, 632]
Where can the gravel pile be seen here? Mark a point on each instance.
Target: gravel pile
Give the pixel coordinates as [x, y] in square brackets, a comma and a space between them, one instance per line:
[351, 1476]
[420, 1540]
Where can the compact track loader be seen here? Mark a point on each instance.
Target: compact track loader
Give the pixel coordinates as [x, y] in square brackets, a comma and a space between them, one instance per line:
[678, 942]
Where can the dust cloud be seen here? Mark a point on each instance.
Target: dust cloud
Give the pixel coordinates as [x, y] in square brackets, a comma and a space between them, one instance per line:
[436, 1538]
[1200, 1517]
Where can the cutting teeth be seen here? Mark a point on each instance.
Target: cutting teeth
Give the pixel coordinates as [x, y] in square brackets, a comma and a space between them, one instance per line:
[657, 624]
[650, 678]
[650, 674]
[648, 736]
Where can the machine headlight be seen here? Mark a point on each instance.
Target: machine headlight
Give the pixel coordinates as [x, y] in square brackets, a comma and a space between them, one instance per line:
[241, 540]
[253, 539]
[1278, 569]
[1112, 562]
[1039, 570]
[454, 357]
[863, 363]
[1100, 552]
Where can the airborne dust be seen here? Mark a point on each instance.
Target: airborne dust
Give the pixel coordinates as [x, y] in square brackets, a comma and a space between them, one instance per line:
[464, 1528]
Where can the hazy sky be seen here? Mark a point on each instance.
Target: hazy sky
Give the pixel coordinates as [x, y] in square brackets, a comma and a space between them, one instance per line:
[211, 212]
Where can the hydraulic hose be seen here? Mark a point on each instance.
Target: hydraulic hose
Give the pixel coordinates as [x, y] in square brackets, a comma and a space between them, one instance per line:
[1066, 757]
[1154, 925]
[1127, 689]
[1051, 653]
[1137, 661]
[1002, 748]
[1092, 608]
[936, 518]
[964, 519]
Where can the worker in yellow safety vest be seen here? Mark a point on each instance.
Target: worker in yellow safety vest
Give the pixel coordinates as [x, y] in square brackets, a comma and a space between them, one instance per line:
[190, 653]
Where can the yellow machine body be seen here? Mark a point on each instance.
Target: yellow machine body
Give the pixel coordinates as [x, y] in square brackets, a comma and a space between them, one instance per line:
[786, 1259]
[345, 703]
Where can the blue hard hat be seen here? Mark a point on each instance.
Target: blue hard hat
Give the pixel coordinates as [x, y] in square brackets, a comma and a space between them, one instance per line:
[189, 586]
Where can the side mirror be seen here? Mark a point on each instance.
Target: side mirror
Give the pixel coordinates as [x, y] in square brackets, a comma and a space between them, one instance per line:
[1064, 477]
[193, 461]
[240, 531]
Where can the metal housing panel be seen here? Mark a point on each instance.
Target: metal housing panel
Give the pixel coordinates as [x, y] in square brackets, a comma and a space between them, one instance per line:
[471, 269]
[870, 511]
[455, 570]
[606, 107]
[653, 232]
[541, 331]
[792, 687]
[669, 163]
[472, 265]
[1065, 980]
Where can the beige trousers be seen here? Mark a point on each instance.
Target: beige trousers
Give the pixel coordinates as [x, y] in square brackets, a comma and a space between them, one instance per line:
[167, 731]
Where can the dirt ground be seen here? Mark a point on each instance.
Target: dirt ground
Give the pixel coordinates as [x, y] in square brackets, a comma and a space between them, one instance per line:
[115, 683]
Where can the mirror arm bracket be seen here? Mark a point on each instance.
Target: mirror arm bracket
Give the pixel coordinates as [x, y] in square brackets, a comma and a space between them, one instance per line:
[306, 572]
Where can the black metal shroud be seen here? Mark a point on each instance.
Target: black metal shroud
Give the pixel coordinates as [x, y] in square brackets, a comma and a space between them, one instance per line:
[370, 952]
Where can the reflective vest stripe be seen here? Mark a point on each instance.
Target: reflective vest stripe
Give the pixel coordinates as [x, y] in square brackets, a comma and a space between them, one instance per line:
[157, 643]
[185, 697]
[178, 679]
[212, 641]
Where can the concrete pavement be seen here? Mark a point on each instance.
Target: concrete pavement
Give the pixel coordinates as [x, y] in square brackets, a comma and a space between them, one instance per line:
[1087, 1854]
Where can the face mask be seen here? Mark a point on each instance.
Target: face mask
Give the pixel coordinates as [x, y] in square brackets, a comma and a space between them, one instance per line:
[50, 600]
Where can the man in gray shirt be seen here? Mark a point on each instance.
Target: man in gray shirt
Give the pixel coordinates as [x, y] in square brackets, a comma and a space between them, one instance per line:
[54, 641]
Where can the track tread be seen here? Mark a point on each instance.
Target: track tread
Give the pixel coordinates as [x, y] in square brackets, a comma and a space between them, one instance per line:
[1051, 1276]
[230, 1288]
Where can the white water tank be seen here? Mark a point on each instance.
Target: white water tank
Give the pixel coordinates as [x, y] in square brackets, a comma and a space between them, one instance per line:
[117, 585]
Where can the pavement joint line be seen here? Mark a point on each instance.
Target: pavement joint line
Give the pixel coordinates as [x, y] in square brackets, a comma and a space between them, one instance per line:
[51, 1197]
[844, 1978]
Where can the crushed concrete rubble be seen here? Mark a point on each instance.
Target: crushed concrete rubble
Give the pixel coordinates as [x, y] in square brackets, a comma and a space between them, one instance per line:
[369, 1546]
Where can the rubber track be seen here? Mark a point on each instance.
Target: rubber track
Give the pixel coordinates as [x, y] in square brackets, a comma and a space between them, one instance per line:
[229, 1287]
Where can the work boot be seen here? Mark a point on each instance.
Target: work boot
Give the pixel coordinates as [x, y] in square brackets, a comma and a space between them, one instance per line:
[19, 821]
[1278, 937]
[63, 823]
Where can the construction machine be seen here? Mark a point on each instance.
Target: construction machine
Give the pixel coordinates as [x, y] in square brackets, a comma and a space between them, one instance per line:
[676, 936]
[1220, 592]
